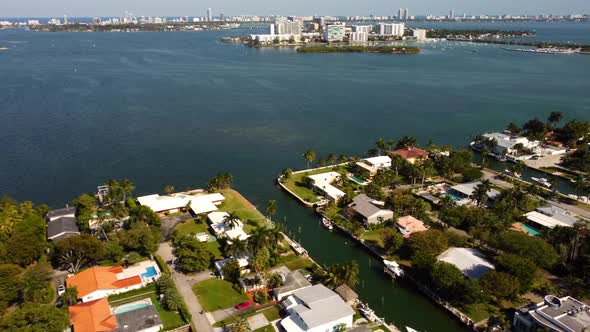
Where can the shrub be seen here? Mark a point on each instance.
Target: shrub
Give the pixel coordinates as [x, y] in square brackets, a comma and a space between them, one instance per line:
[162, 264]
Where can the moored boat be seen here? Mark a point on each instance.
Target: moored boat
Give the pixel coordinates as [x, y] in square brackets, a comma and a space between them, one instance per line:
[368, 313]
[542, 181]
[327, 223]
[393, 268]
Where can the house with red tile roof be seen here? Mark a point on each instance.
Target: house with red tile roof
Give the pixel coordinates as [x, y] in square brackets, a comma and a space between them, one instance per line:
[101, 281]
[93, 316]
[412, 154]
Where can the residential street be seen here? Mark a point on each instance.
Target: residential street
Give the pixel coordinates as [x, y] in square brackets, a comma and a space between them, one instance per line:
[185, 284]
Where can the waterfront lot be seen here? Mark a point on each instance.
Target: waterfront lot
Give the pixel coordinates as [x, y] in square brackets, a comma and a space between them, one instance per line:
[194, 226]
[271, 313]
[234, 202]
[216, 294]
[295, 184]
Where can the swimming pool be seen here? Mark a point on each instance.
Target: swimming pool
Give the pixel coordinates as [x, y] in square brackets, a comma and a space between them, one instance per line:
[131, 306]
[455, 198]
[149, 272]
[357, 179]
[532, 231]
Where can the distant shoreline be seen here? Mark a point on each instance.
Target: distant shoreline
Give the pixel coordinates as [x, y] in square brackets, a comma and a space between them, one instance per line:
[360, 49]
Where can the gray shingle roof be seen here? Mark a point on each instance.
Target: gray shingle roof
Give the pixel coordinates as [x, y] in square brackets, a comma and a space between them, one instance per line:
[138, 319]
[61, 212]
[363, 206]
[320, 306]
[56, 229]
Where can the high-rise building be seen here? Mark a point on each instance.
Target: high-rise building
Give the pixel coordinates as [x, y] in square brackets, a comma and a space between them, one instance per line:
[334, 32]
[400, 14]
[406, 14]
[420, 34]
[359, 36]
[362, 28]
[452, 14]
[65, 19]
[221, 17]
[392, 29]
[209, 15]
[286, 27]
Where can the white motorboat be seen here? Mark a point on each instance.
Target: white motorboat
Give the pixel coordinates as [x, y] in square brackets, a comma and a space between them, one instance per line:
[514, 174]
[542, 181]
[368, 313]
[393, 268]
[409, 329]
[327, 223]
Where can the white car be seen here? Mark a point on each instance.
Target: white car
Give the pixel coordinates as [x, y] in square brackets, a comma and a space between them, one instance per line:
[61, 289]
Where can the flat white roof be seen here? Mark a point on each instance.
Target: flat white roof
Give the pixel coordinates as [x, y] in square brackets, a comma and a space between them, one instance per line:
[470, 261]
[198, 203]
[545, 220]
[469, 187]
[220, 228]
[328, 176]
[378, 160]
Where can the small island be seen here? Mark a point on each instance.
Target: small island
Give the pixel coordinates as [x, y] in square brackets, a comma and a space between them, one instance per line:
[360, 49]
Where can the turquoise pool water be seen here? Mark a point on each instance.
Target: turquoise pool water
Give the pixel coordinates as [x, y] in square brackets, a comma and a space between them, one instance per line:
[532, 231]
[455, 198]
[131, 307]
[149, 272]
[357, 179]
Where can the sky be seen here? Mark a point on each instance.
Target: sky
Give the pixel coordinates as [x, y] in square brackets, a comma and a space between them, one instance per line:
[57, 8]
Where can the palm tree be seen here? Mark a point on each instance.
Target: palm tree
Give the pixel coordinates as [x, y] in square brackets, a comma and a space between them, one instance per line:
[390, 144]
[427, 169]
[240, 326]
[259, 238]
[271, 208]
[485, 152]
[554, 118]
[381, 145]
[309, 156]
[480, 194]
[232, 220]
[406, 142]
[332, 159]
[127, 187]
[579, 184]
[235, 247]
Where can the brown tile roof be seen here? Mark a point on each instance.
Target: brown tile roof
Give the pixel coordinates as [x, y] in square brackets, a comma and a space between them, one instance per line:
[93, 316]
[412, 225]
[100, 277]
[411, 153]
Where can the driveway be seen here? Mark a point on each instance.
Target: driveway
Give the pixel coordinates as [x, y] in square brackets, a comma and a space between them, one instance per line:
[185, 283]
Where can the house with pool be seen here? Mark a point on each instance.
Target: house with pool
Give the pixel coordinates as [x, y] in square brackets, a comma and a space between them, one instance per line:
[99, 316]
[462, 193]
[101, 281]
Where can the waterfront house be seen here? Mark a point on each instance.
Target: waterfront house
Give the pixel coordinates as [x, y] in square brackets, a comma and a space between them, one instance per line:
[516, 146]
[412, 154]
[61, 228]
[380, 162]
[470, 261]
[409, 225]
[292, 282]
[101, 281]
[222, 229]
[462, 193]
[369, 210]
[365, 171]
[323, 183]
[554, 314]
[315, 309]
[98, 316]
[549, 216]
[196, 202]
[69, 212]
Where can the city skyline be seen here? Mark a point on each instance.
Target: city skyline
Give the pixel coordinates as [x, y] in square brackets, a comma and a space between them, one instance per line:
[37, 8]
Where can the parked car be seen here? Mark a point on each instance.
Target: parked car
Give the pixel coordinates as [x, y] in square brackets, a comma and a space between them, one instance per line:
[59, 302]
[243, 305]
[61, 289]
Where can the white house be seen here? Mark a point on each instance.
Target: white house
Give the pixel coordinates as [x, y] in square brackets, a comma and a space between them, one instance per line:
[198, 202]
[243, 262]
[507, 142]
[554, 314]
[380, 162]
[470, 261]
[222, 229]
[323, 182]
[550, 216]
[315, 309]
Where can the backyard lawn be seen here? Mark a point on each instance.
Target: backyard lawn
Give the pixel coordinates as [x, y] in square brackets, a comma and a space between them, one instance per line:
[304, 192]
[234, 202]
[479, 312]
[191, 226]
[270, 313]
[214, 294]
[374, 237]
[294, 262]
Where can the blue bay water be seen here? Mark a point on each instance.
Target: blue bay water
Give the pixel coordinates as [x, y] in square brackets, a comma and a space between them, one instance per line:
[176, 108]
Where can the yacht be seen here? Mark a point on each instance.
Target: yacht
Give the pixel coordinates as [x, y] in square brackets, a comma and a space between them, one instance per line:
[368, 313]
[542, 181]
[409, 329]
[327, 223]
[393, 268]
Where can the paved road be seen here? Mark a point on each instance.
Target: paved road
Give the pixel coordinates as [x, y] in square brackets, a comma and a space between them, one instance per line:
[501, 183]
[184, 283]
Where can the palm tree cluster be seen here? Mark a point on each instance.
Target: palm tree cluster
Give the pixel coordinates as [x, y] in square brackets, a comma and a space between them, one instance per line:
[480, 194]
[221, 181]
[118, 190]
[263, 237]
[338, 274]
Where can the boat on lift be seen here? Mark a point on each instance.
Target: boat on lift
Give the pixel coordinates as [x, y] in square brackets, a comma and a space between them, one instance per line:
[368, 313]
[542, 181]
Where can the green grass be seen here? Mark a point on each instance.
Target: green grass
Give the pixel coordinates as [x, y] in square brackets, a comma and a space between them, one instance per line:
[214, 294]
[234, 202]
[294, 262]
[170, 319]
[151, 287]
[267, 328]
[293, 184]
[373, 236]
[215, 248]
[191, 226]
[478, 312]
[271, 314]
